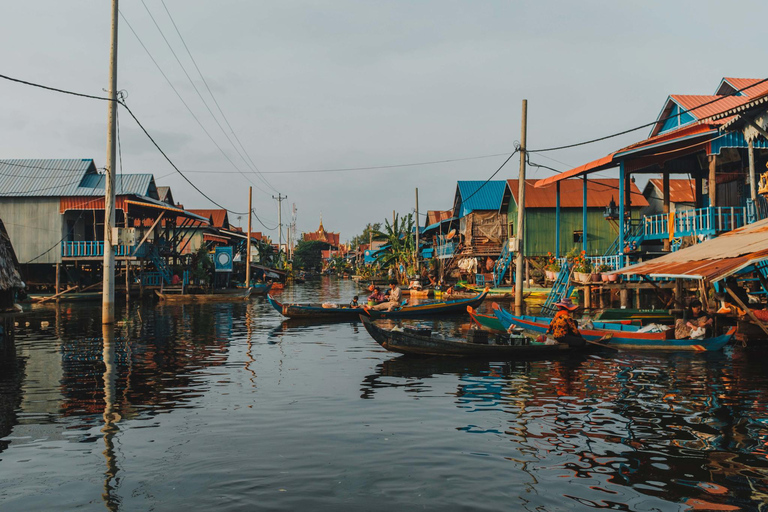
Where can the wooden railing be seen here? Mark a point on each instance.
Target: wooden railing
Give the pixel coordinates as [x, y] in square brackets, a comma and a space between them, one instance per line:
[702, 221]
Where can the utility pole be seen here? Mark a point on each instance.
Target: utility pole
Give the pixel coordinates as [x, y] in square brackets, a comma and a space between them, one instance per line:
[248, 243]
[417, 230]
[108, 284]
[279, 220]
[521, 215]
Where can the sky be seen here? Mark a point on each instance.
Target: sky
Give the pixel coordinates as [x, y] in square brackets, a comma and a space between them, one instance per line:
[371, 86]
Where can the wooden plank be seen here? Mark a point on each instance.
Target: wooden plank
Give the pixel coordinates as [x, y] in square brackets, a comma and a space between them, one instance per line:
[745, 308]
[46, 299]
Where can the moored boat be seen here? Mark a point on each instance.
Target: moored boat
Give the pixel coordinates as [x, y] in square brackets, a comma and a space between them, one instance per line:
[430, 308]
[624, 337]
[261, 288]
[487, 322]
[644, 316]
[316, 311]
[419, 342]
[224, 296]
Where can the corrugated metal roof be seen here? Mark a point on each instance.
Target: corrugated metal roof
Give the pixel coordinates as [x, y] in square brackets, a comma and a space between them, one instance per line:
[480, 195]
[741, 83]
[599, 194]
[218, 216]
[700, 106]
[435, 216]
[680, 191]
[713, 259]
[65, 178]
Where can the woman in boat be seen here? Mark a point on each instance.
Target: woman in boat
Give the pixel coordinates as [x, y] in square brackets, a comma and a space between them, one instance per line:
[563, 327]
[377, 297]
[395, 296]
[693, 318]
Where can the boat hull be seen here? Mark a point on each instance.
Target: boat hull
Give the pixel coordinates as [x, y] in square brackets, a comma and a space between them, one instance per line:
[414, 344]
[623, 336]
[310, 311]
[436, 308]
[183, 298]
[487, 322]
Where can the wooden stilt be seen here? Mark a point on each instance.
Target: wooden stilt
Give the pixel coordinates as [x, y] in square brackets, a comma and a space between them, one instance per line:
[57, 289]
[624, 298]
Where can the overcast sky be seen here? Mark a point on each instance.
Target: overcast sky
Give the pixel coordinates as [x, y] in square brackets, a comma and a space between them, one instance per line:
[311, 85]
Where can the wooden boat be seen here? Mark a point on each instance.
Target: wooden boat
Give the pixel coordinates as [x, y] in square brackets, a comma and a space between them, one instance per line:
[407, 341]
[417, 294]
[644, 316]
[68, 297]
[232, 295]
[431, 308]
[623, 336]
[487, 322]
[314, 311]
[259, 288]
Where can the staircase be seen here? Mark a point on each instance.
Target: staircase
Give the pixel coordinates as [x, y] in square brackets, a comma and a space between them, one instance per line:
[502, 265]
[561, 289]
[633, 237]
[161, 265]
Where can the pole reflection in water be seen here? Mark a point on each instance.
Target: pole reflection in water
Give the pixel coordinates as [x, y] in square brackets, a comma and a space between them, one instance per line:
[111, 418]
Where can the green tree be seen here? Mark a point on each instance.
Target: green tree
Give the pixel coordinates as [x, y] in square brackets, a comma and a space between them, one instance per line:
[400, 247]
[371, 230]
[308, 256]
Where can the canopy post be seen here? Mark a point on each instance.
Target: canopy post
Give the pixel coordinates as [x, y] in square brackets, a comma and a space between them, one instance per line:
[622, 179]
[666, 200]
[584, 214]
[557, 221]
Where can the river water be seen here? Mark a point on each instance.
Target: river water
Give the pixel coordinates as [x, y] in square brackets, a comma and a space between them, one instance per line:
[229, 407]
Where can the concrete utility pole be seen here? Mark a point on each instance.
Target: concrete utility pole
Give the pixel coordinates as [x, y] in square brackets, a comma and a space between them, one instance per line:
[417, 230]
[108, 285]
[279, 220]
[248, 243]
[521, 215]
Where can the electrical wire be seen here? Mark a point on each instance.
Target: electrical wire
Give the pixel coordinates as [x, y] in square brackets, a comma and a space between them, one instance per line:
[680, 113]
[215, 101]
[125, 106]
[185, 103]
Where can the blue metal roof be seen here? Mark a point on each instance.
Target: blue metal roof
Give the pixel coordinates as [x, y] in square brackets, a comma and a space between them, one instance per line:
[66, 178]
[479, 195]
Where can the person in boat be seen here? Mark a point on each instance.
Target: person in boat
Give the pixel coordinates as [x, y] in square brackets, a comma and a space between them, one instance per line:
[563, 327]
[395, 297]
[353, 303]
[377, 297]
[693, 318]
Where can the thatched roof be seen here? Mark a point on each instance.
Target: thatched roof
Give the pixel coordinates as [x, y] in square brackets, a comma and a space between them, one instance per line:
[9, 265]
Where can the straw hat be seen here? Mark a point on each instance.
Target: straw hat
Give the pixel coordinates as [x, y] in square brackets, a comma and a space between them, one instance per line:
[566, 303]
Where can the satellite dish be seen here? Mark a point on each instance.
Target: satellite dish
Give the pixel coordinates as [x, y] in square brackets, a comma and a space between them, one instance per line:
[451, 234]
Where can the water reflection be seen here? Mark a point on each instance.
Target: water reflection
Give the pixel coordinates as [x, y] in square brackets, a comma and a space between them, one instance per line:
[111, 418]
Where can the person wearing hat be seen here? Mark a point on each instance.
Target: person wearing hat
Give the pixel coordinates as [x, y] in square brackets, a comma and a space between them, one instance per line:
[563, 327]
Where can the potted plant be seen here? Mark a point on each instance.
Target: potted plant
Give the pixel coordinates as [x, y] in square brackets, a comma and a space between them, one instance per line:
[582, 268]
[601, 269]
[552, 268]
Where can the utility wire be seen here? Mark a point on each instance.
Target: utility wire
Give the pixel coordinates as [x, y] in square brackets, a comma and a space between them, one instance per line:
[189, 78]
[719, 98]
[184, 102]
[137, 122]
[215, 101]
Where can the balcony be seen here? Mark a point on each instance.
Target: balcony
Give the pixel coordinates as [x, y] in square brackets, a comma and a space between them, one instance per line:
[95, 249]
[702, 221]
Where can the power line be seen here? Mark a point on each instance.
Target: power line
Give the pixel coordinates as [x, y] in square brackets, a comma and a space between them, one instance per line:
[184, 102]
[215, 101]
[719, 98]
[162, 34]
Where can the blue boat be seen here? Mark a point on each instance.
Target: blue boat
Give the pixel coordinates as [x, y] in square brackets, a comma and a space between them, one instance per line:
[624, 337]
[315, 311]
[431, 308]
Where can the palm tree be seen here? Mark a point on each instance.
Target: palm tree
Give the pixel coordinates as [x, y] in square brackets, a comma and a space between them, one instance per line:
[398, 253]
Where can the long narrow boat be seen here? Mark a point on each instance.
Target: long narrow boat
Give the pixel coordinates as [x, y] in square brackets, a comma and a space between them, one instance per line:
[411, 342]
[181, 298]
[316, 311]
[261, 288]
[624, 336]
[432, 308]
[644, 316]
[487, 322]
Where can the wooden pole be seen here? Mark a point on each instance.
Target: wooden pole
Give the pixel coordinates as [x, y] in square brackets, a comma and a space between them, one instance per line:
[58, 278]
[752, 184]
[417, 231]
[665, 208]
[108, 295]
[248, 240]
[521, 213]
[712, 180]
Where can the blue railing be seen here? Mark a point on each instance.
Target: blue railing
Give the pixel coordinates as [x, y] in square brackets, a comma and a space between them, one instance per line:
[702, 221]
[151, 278]
[445, 250]
[96, 249]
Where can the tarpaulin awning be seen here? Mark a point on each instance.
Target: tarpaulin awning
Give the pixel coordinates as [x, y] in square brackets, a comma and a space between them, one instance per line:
[713, 260]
